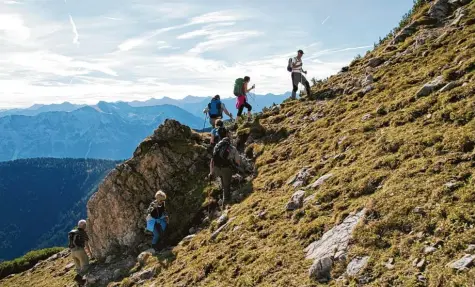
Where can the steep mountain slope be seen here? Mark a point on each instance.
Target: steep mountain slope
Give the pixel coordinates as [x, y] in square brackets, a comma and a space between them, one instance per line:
[107, 131]
[368, 181]
[42, 199]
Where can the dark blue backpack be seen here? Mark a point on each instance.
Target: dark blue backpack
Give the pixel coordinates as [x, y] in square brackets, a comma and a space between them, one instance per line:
[215, 108]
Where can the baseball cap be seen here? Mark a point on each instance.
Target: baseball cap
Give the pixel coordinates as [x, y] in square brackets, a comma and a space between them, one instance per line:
[300, 51]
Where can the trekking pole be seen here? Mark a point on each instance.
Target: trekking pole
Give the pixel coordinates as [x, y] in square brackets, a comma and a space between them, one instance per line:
[204, 123]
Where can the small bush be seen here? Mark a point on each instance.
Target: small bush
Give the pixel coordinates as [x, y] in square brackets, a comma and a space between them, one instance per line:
[26, 261]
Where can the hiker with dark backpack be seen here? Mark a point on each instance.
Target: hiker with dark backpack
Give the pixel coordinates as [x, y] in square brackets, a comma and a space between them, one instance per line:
[240, 91]
[215, 110]
[295, 66]
[78, 244]
[225, 158]
[215, 138]
[157, 219]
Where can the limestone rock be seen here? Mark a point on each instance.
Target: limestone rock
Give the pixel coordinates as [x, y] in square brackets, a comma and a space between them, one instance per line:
[334, 243]
[448, 87]
[429, 250]
[419, 263]
[142, 258]
[470, 248]
[374, 62]
[439, 10]
[143, 275]
[463, 263]
[430, 87]
[301, 178]
[69, 267]
[217, 231]
[368, 80]
[366, 117]
[117, 211]
[296, 201]
[320, 181]
[187, 239]
[320, 269]
[357, 265]
[460, 13]
[222, 219]
[403, 34]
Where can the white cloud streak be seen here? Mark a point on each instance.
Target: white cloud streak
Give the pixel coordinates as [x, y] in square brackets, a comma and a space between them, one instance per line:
[219, 41]
[75, 31]
[326, 19]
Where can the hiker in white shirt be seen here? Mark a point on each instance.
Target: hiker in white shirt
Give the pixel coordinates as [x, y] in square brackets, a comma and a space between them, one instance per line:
[297, 76]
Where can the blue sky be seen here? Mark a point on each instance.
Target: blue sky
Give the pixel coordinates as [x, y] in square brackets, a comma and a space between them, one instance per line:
[85, 51]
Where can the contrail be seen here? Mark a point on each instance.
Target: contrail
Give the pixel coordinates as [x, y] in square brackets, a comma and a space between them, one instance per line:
[326, 19]
[75, 31]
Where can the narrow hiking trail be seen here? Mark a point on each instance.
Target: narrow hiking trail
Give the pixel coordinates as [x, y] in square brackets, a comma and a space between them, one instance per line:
[368, 180]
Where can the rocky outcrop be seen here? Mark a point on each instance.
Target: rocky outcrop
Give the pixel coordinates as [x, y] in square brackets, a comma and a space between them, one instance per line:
[430, 87]
[296, 201]
[173, 159]
[333, 245]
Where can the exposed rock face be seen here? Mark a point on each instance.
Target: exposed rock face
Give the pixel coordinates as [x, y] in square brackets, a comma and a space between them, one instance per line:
[463, 263]
[333, 245]
[357, 265]
[296, 201]
[321, 180]
[439, 10]
[116, 212]
[430, 87]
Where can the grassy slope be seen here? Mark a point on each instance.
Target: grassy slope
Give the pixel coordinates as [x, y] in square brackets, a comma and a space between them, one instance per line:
[397, 160]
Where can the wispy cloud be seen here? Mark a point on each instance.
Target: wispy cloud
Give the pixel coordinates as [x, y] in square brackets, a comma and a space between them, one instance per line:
[12, 2]
[135, 42]
[207, 30]
[75, 31]
[326, 19]
[227, 16]
[113, 18]
[218, 16]
[220, 40]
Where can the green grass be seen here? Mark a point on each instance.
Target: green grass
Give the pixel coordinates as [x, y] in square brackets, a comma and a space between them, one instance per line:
[26, 261]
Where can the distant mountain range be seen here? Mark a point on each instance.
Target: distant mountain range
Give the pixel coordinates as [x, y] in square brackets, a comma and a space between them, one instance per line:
[105, 130]
[110, 131]
[191, 104]
[42, 199]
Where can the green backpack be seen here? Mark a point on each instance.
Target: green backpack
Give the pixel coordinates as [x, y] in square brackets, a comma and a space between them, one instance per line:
[238, 87]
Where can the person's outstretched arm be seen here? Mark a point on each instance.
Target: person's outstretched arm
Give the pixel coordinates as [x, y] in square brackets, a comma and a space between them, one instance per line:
[227, 112]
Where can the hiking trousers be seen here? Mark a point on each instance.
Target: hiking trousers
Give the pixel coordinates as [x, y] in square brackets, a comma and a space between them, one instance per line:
[81, 260]
[241, 104]
[296, 79]
[225, 173]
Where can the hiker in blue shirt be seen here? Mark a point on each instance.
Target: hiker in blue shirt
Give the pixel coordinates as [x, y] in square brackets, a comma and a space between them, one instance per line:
[157, 219]
[215, 110]
[215, 138]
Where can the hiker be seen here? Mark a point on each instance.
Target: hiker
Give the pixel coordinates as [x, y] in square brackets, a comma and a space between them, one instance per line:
[215, 138]
[225, 158]
[157, 219]
[215, 110]
[78, 244]
[297, 77]
[240, 91]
